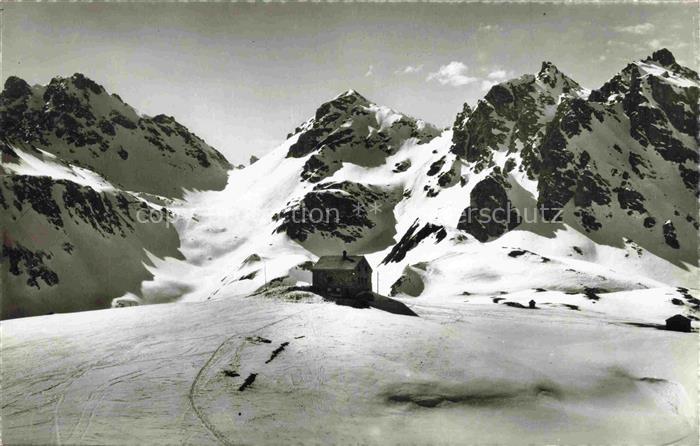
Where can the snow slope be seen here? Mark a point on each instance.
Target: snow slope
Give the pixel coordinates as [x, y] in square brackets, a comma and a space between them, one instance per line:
[464, 373]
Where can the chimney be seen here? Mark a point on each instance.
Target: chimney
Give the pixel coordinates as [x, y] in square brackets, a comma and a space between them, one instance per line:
[345, 255]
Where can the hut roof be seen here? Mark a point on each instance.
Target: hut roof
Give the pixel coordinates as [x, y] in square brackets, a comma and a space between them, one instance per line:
[338, 263]
[677, 317]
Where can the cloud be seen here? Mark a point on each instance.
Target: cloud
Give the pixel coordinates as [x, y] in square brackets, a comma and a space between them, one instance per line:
[494, 77]
[497, 75]
[370, 71]
[487, 84]
[453, 74]
[642, 28]
[410, 69]
[657, 44]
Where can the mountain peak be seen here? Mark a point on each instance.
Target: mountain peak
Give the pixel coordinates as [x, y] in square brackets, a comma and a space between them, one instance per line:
[349, 123]
[16, 87]
[343, 102]
[548, 67]
[79, 80]
[550, 75]
[83, 82]
[75, 119]
[663, 57]
[350, 94]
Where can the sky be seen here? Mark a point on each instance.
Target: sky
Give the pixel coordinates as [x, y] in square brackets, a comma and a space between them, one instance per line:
[243, 75]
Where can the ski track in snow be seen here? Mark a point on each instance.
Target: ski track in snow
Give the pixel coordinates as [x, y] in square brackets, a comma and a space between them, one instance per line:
[94, 399]
[223, 350]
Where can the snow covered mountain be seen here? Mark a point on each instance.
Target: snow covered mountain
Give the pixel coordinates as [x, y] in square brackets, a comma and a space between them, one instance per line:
[361, 177]
[80, 214]
[513, 116]
[351, 129]
[78, 121]
[583, 190]
[594, 156]
[624, 163]
[591, 206]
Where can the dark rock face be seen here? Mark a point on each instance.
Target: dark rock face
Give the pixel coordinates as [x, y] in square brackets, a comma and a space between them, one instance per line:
[402, 166]
[448, 178]
[23, 261]
[651, 126]
[670, 235]
[654, 117]
[664, 57]
[54, 228]
[680, 108]
[459, 129]
[315, 169]
[481, 134]
[121, 120]
[335, 210]
[37, 193]
[443, 173]
[409, 283]
[512, 116]
[436, 166]
[53, 199]
[659, 113]
[77, 120]
[567, 175]
[306, 143]
[97, 209]
[326, 121]
[490, 213]
[16, 88]
[411, 239]
[630, 199]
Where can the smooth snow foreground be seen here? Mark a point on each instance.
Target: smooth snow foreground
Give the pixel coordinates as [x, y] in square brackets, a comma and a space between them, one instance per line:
[459, 374]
